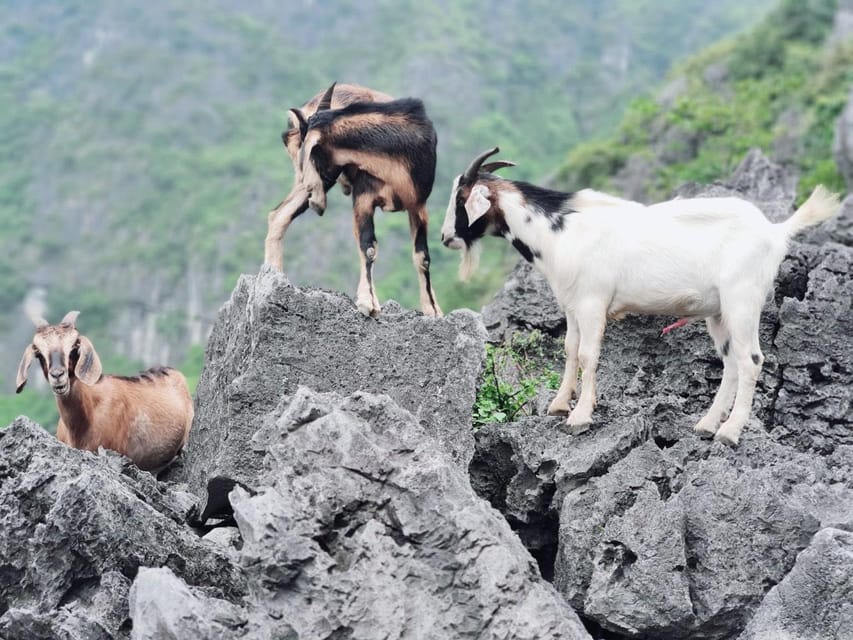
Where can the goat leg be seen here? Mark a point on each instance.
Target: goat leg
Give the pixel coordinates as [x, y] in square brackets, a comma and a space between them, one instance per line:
[279, 219]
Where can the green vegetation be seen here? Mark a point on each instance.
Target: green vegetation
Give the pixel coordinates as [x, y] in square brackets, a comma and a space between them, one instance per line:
[776, 88]
[515, 371]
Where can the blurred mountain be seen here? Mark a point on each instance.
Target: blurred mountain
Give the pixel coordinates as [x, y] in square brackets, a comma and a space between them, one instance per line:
[141, 148]
[780, 87]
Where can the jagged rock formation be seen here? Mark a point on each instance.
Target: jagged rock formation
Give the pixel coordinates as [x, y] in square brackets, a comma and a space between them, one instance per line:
[271, 337]
[361, 521]
[74, 530]
[651, 532]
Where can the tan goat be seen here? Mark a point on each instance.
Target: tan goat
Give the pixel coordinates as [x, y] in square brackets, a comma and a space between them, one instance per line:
[145, 417]
[296, 202]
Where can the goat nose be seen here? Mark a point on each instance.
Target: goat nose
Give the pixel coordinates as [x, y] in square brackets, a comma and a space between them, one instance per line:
[56, 373]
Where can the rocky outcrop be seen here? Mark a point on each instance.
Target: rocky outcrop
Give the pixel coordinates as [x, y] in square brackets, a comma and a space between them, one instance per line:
[647, 530]
[74, 530]
[357, 519]
[271, 337]
[815, 600]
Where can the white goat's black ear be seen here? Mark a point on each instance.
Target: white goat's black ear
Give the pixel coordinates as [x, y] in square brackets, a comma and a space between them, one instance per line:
[88, 368]
[23, 367]
[477, 203]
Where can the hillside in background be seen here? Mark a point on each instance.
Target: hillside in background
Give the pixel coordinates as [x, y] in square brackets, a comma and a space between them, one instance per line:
[141, 143]
[780, 87]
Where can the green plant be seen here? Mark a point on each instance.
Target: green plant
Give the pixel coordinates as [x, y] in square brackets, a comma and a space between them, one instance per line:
[514, 372]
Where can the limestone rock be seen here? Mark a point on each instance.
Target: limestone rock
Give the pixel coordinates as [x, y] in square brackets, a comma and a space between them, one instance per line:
[74, 529]
[272, 337]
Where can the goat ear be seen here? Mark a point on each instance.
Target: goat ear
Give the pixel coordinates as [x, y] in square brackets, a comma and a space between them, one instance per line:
[299, 121]
[478, 203]
[23, 367]
[88, 368]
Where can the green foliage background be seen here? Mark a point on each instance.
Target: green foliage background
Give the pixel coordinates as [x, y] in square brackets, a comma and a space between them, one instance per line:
[777, 87]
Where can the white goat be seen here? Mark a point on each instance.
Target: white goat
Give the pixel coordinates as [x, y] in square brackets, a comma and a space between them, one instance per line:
[146, 417]
[711, 258]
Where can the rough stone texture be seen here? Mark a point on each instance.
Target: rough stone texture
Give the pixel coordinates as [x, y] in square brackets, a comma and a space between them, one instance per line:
[74, 529]
[163, 607]
[815, 600]
[685, 541]
[271, 337]
[842, 146]
[661, 534]
[365, 525]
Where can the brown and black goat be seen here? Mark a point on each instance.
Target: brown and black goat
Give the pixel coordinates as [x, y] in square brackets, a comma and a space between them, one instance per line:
[386, 153]
[296, 202]
[145, 417]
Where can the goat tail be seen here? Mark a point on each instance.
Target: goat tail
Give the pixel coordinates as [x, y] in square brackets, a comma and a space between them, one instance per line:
[821, 205]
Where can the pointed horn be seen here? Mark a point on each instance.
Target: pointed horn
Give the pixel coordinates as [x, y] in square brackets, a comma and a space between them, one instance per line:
[491, 167]
[474, 168]
[326, 100]
[70, 318]
[39, 322]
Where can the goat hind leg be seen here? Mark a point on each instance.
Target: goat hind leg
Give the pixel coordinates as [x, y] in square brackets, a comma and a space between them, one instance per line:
[560, 404]
[725, 395]
[366, 300]
[420, 257]
[749, 360]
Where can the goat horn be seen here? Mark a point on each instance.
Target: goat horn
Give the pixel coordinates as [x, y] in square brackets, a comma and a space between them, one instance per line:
[491, 167]
[474, 168]
[326, 100]
[39, 322]
[70, 318]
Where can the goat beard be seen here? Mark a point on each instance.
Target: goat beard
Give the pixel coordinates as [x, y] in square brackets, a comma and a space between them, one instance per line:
[470, 261]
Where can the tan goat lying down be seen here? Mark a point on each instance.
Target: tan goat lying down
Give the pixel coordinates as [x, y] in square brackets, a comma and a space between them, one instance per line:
[145, 417]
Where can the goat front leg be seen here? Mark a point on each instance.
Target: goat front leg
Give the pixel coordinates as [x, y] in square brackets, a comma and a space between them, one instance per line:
[279, 220]
[560, 404]
[366, 299]
[420, 256]
[591, 320]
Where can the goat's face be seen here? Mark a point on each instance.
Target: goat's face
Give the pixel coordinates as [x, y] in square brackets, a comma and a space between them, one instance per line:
[64, 355]
[470, 216]
[317, 170]
[473, 211]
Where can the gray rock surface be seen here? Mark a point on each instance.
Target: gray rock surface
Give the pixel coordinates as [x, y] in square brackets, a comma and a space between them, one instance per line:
[271, 337]
[74, 529]
[366, 529]
[815, 600]
[661, 534]
[164, 607]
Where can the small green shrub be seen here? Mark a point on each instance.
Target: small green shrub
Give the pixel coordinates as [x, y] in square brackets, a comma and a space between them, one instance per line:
[502, 400]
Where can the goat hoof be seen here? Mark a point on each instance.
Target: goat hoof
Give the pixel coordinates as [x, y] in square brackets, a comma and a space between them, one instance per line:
[578, 419]
[727, 440]
[729, 437]
[705, 428]
[558, 408]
